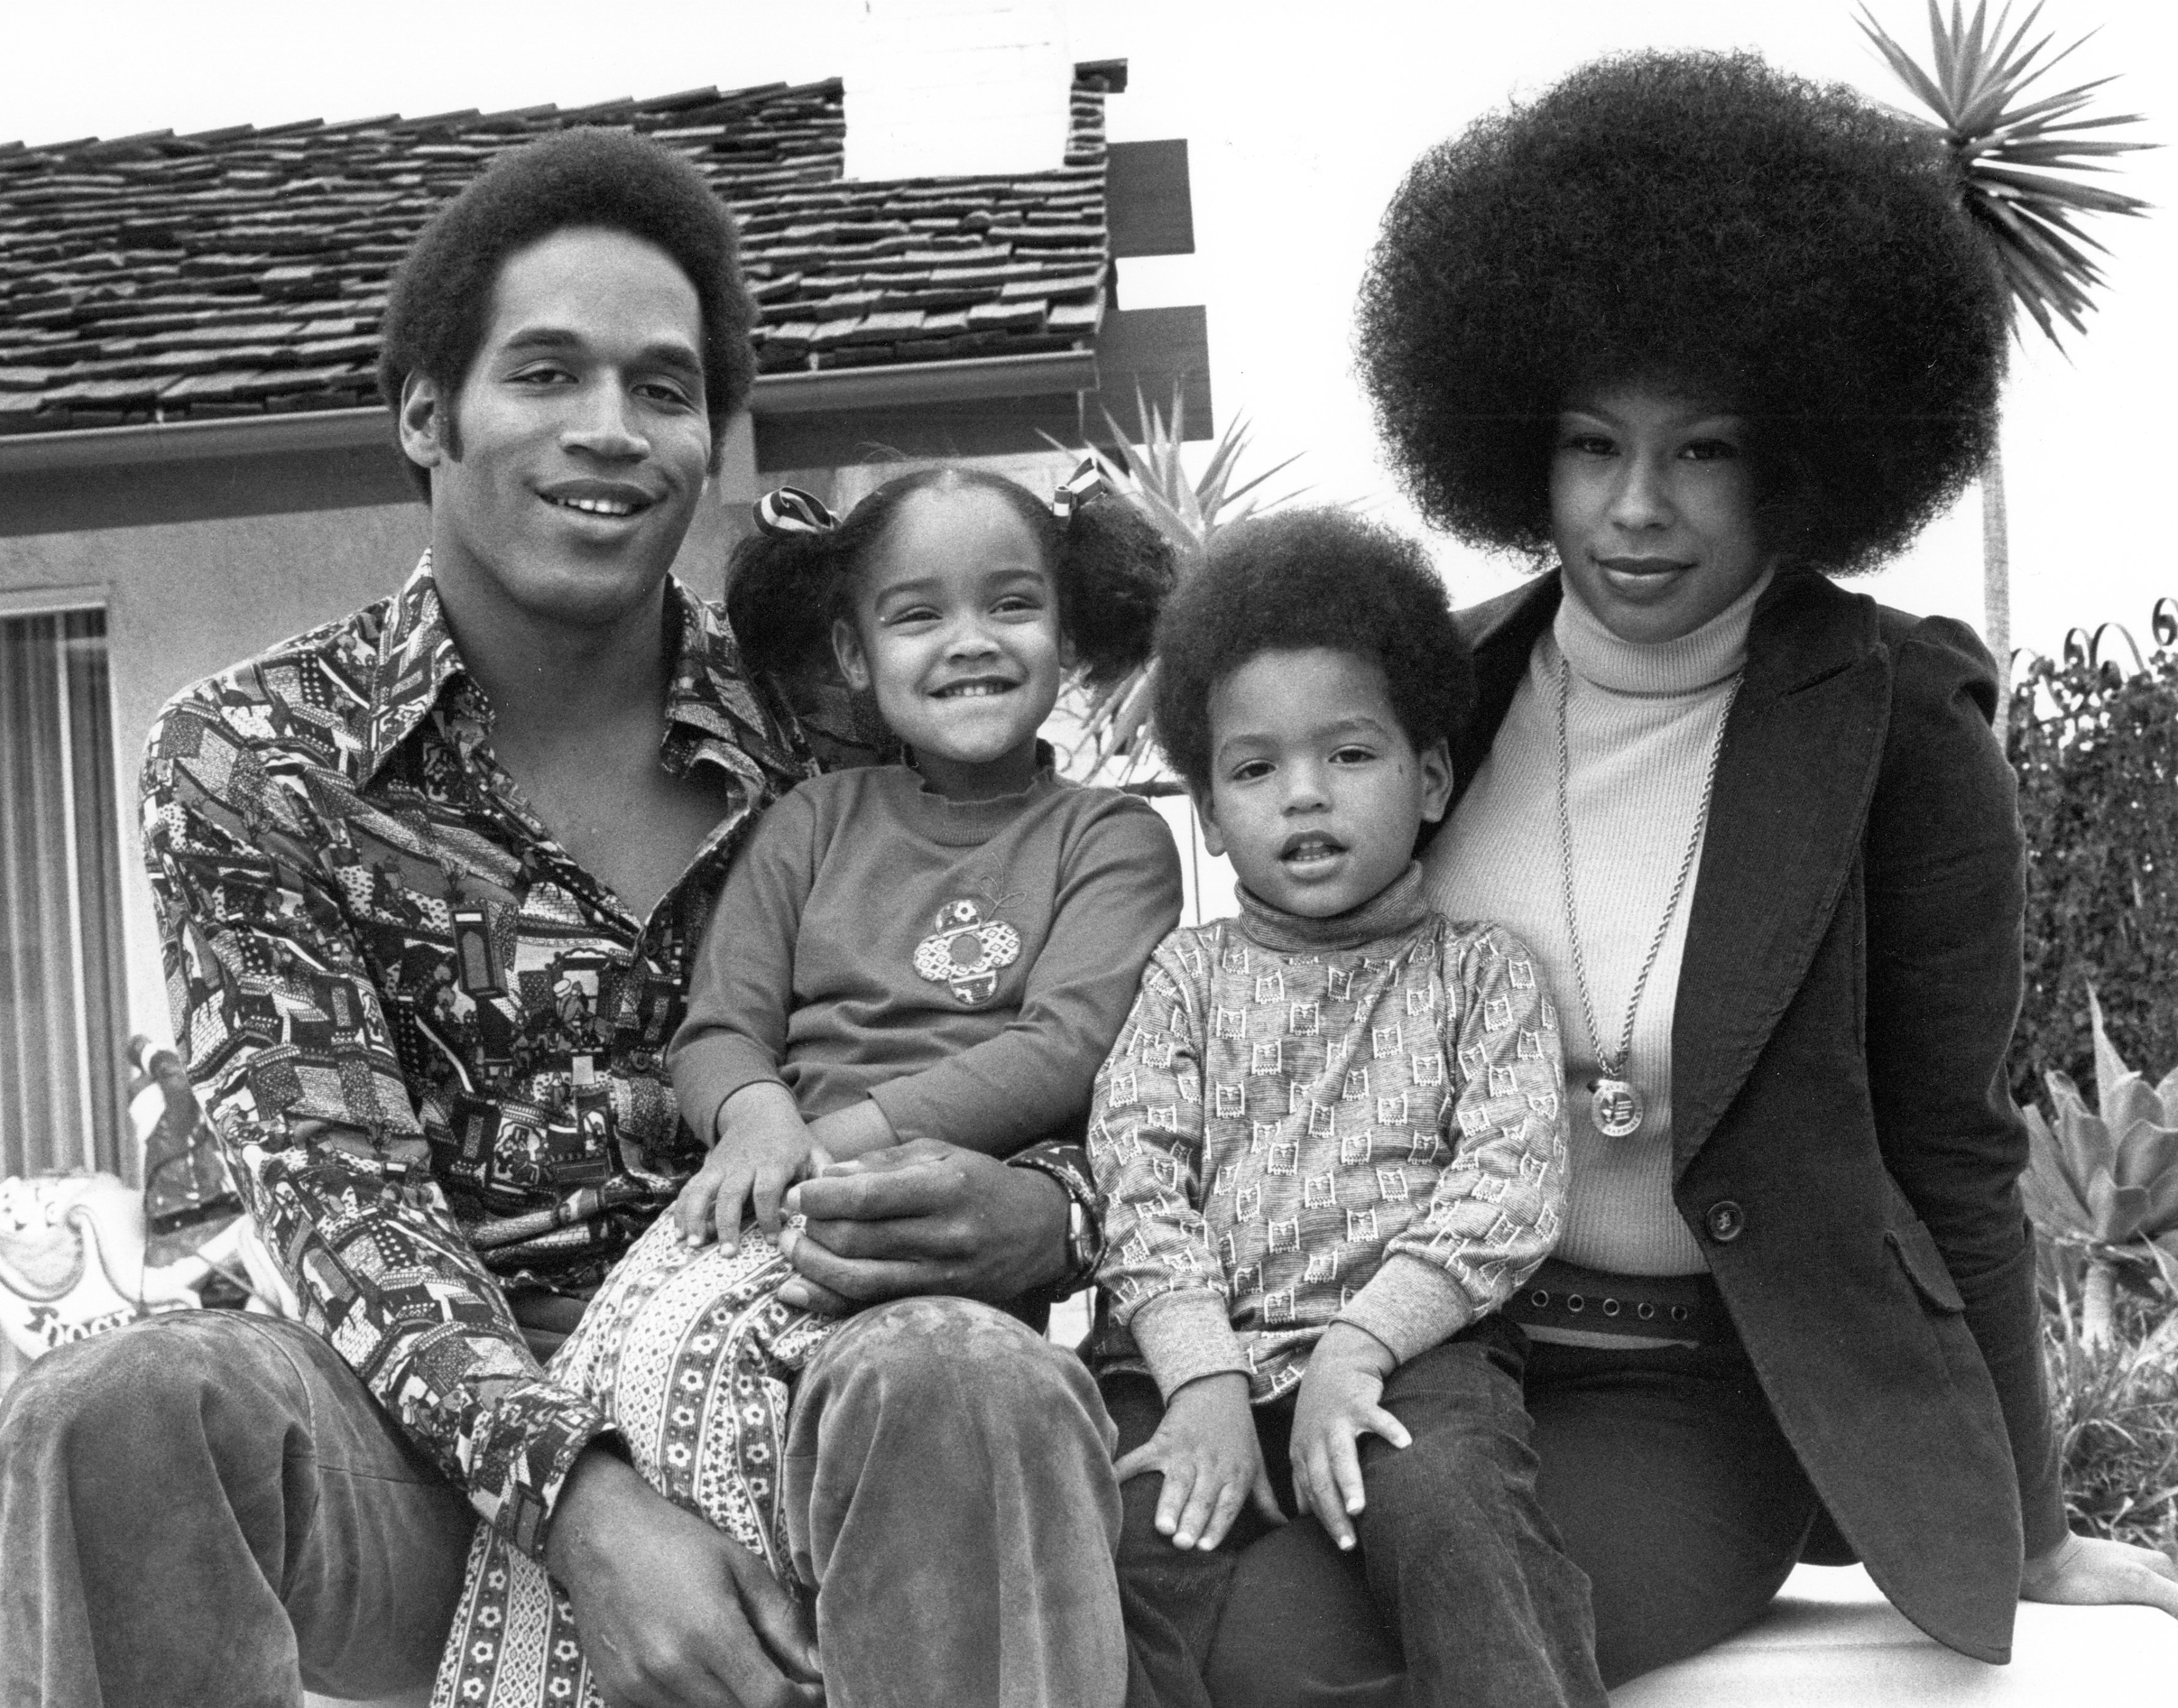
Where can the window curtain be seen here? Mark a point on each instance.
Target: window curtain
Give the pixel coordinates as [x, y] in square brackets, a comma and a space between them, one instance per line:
[63, 1076]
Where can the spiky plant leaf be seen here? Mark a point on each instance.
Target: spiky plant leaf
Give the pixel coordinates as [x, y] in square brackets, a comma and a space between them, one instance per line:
[1187, 513]
[2016, 159]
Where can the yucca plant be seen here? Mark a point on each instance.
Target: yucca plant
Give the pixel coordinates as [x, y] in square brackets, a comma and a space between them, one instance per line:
[2115, 1411]
[2016, 161]
[1188, 512]
[2104, 1181]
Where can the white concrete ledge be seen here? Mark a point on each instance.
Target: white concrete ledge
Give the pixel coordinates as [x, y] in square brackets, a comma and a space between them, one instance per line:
[1831, 1641]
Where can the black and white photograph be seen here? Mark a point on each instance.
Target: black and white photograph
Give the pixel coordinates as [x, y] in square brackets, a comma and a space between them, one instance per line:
[1088, 854]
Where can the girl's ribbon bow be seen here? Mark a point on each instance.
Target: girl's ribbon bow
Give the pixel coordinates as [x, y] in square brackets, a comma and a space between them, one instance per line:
[1083, 483]
[790, 510]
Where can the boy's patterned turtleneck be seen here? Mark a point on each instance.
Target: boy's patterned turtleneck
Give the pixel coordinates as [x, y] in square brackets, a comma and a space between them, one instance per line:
[1393, 911]
[1307, 1120]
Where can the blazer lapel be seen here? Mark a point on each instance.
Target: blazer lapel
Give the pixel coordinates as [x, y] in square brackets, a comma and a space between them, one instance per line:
[1799, 768]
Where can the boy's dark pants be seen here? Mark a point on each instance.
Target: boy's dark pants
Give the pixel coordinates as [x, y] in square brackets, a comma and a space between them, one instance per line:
[1465, 1566]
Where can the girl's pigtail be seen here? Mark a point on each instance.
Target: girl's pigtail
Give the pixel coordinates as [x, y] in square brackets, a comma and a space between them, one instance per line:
[1114, 570]
[783, 588]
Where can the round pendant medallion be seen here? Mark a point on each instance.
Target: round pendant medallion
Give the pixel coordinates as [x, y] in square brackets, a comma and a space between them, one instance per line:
[1616, 1106]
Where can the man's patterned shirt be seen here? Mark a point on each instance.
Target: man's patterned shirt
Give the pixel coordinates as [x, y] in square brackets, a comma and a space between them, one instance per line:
[430, 1042]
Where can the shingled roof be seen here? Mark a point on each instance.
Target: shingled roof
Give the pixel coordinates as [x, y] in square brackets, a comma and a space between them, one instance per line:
[242, 272]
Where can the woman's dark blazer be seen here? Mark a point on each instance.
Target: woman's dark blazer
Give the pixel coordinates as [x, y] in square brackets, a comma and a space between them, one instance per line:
[1844, 1146]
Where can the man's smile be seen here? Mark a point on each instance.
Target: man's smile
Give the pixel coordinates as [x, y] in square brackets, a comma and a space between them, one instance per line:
[613, 499]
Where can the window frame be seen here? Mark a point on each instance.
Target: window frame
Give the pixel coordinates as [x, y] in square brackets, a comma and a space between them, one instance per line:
[115, 1152]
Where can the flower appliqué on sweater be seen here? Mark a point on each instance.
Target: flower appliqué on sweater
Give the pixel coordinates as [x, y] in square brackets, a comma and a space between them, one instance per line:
[967, 952]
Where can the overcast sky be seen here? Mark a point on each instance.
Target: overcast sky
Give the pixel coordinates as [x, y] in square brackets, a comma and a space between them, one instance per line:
[1301, 120]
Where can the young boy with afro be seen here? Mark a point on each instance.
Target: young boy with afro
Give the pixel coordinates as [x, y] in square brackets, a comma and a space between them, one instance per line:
[1328, 1145]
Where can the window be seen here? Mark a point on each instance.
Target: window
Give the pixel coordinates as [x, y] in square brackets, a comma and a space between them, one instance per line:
[62, 1029]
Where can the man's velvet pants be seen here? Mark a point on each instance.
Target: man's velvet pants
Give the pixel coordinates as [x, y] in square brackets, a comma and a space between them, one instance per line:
[209, 1508]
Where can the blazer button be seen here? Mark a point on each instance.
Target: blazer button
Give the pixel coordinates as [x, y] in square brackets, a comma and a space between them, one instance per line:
[1727, 1221]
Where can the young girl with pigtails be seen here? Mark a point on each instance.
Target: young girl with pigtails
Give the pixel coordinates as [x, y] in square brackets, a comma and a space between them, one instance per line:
[940, 949]
[944, 948]
[937, 948]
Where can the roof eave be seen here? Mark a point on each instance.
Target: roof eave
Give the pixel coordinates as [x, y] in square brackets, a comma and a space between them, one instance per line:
[820, 392]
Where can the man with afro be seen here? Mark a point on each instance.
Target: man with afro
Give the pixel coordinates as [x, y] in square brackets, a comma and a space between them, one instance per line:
[428, 878]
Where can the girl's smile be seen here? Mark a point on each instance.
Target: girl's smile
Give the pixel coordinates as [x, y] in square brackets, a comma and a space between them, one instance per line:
[956, 629]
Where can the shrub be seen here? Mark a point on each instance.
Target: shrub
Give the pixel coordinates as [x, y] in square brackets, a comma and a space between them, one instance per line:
[2116, 1412]
[2097, 753]
[2104, 1181]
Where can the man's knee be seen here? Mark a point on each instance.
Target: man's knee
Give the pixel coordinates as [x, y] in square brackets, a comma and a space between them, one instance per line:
[941, 1423]
[118, 1403]
[956, 1363]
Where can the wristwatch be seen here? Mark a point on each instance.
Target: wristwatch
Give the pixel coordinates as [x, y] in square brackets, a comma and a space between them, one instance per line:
[1085, 1231]
[1085, 1243]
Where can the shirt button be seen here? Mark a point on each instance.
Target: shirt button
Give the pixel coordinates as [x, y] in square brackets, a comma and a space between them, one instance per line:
[1727, 1221]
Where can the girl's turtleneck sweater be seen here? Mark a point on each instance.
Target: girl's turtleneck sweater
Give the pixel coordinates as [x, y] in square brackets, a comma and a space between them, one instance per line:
[1641, 721]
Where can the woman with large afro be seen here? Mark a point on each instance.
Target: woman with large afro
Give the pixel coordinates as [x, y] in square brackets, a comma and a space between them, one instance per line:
[1699, 339]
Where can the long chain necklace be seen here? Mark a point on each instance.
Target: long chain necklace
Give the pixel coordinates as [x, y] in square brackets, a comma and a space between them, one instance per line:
[1617, 1106]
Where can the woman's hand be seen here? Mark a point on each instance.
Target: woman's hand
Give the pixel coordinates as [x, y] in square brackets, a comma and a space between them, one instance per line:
[1206, 1446]
[763, 1148]
[923, 1218]
[2085, 1571]
[1338, 1405]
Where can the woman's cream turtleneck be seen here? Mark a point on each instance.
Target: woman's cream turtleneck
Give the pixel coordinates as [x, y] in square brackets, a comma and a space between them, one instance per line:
[1641, 721]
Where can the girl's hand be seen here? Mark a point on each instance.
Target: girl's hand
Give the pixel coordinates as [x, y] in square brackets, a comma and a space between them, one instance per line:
[762, 1149]
[1339, 1392]
[1206, 1446]
[2084, 1570]
[854, 1131]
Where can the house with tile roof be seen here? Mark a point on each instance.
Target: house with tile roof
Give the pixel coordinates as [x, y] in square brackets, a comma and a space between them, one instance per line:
[193, 461]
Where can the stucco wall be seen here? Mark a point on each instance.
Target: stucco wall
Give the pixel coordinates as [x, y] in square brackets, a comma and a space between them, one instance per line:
[188, 596]
[183, 600]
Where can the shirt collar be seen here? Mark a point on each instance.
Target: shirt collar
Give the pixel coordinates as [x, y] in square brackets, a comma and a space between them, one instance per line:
[711, 710]
[416, 660]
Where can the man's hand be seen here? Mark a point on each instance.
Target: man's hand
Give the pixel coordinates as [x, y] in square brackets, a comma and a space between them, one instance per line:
[923, 1218]
[1206, 1446]
[1338, 1405]
[2090, 1570]
[763, 1148]
[673, 1613]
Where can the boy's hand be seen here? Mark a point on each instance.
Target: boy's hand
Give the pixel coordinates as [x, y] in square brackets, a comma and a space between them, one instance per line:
[1206, 1446]
[1338, 1405]
[762, 1149]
